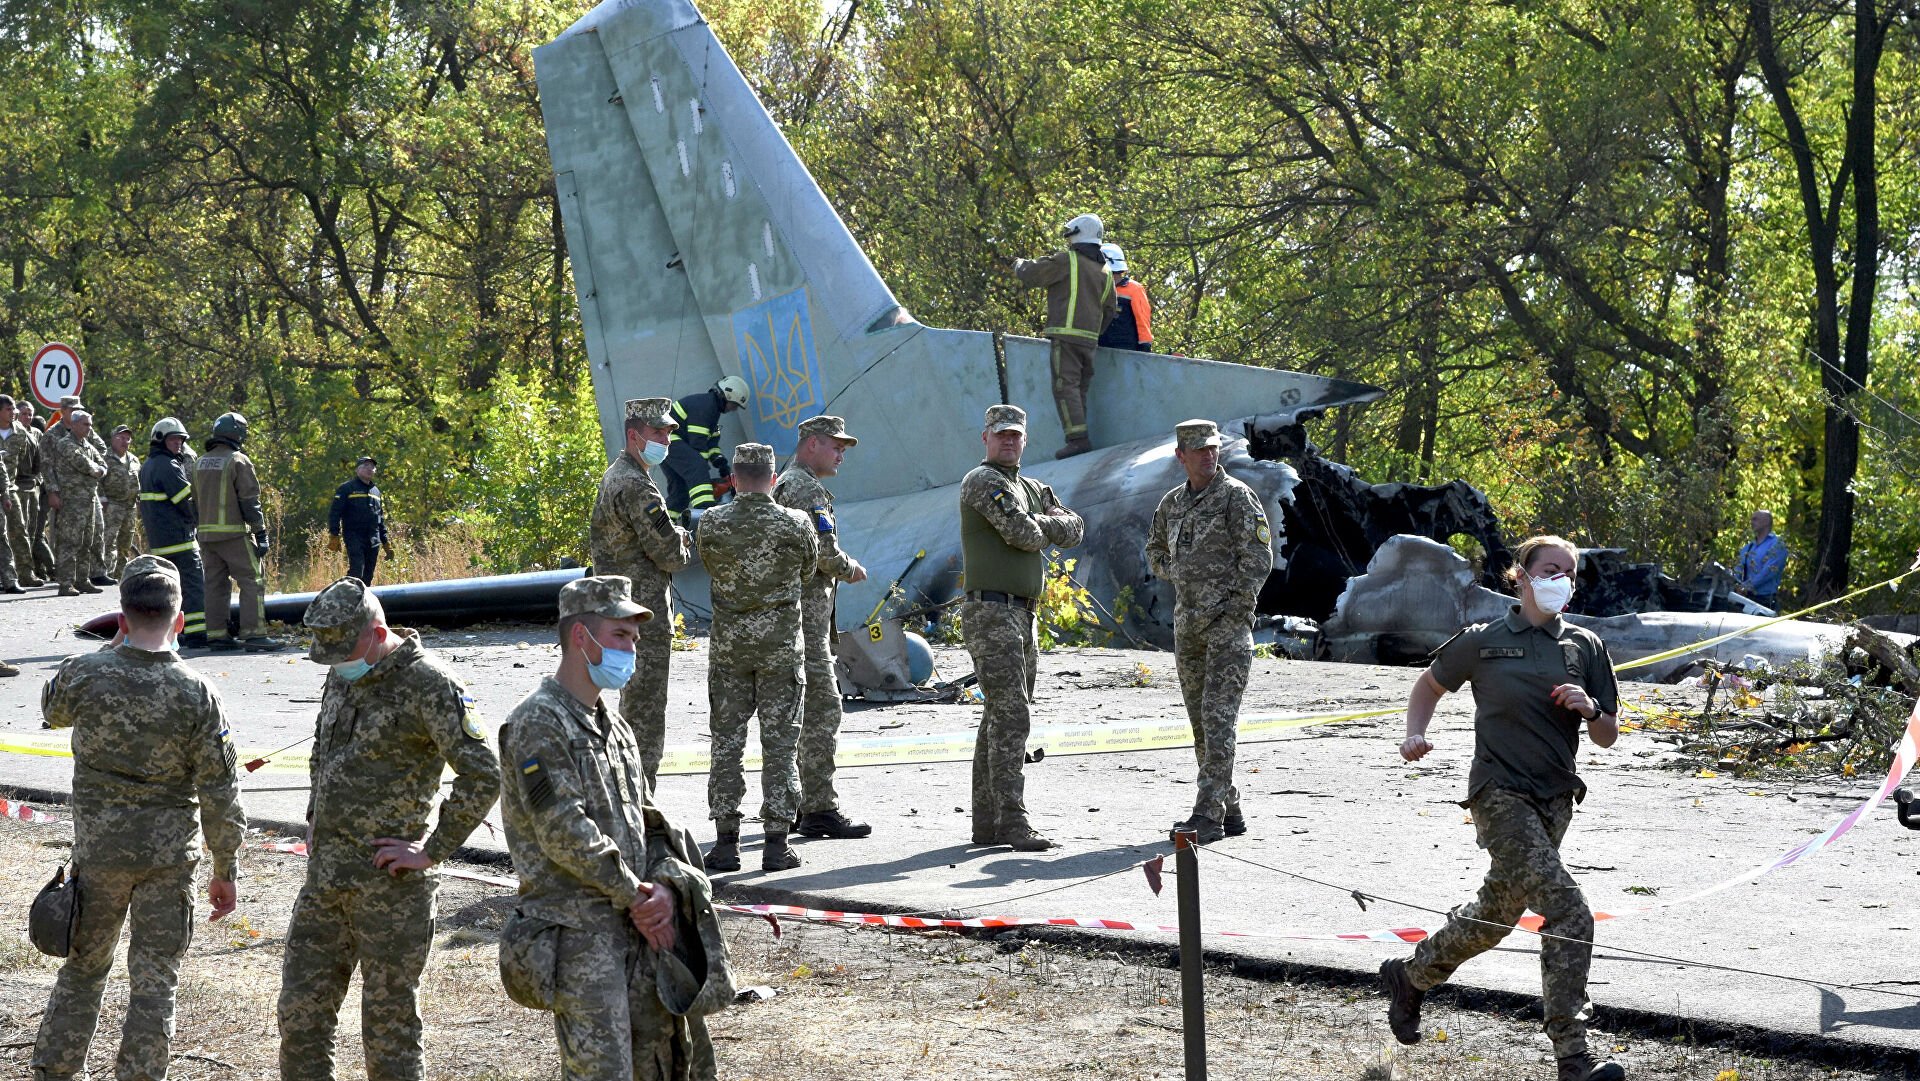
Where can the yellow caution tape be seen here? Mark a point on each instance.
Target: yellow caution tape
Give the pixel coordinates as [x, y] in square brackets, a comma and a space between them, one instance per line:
[1681, 651]
[1054, 740]
[60, 745]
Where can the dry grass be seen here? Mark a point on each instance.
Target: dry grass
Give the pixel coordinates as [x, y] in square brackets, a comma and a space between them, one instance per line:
[453, 551]
[849, 1004]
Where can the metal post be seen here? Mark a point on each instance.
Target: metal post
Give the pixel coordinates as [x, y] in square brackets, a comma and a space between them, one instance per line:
[1193, 994]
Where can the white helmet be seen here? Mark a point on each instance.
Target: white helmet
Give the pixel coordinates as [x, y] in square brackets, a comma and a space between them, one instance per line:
[1116, 259]
[1085, 229]
[733, 390]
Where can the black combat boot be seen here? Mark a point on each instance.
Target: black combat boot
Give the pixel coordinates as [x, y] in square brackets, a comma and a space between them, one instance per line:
[1206, 830]
[1079, 444]
[1403, 1003]
[775, 855]
[86, 586]
[1581, 1067]
[1235, 825]
[725, 853]
[1024, 838]
[831, 824]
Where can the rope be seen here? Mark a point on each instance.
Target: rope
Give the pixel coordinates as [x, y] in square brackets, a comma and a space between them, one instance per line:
[1360, 895]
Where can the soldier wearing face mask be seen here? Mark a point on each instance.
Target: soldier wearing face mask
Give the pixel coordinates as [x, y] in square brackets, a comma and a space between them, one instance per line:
[1536, 680]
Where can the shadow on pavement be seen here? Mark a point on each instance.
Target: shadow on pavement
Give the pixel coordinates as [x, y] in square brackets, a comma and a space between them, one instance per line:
[1004, 868]
[1835, 1015]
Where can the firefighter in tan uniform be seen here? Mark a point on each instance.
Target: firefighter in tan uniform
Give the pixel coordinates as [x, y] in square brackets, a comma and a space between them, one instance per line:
[1080, 302]
[233, 536]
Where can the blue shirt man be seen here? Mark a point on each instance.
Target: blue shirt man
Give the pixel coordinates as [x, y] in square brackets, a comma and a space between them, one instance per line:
[1761, 561]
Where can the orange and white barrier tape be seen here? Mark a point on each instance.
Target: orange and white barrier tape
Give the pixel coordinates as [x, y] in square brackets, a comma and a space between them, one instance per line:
[11, 809]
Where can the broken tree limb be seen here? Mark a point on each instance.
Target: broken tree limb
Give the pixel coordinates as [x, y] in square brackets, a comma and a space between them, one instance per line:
[1889, 653]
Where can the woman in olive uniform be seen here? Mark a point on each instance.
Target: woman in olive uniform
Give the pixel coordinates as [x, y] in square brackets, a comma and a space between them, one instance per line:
[1536, 679]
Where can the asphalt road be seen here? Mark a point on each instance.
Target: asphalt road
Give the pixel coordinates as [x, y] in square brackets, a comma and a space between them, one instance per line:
[1333, 803]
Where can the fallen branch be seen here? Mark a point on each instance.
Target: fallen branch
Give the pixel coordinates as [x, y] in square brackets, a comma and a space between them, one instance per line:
[1888, 653]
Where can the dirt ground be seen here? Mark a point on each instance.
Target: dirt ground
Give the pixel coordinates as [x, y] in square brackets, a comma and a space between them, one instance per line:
[846, 1004]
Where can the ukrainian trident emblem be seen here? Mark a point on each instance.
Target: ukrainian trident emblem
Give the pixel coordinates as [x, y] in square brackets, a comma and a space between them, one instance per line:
[775, 340]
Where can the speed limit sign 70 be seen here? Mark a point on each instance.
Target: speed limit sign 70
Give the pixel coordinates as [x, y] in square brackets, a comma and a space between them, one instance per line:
[56, 374]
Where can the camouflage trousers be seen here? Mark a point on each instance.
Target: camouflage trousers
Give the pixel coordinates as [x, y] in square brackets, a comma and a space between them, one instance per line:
[1006, 653]
[609, 1019]
[1214, 664]
[117, 539]
[76, 537]
[26, 504]
[643, 701]
[742, 681]
[820, 714]
[1072, 374]
[231, 557]
[8, 574]
[385, 926]
[158, 902]
[1522, 836]
[37, 533]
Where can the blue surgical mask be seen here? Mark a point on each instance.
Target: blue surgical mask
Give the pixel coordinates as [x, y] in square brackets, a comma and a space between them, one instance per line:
[614, 668]
[653, 453]
[352, 670]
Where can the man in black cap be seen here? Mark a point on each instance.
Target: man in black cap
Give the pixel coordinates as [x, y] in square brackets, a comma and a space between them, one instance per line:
[358, 515]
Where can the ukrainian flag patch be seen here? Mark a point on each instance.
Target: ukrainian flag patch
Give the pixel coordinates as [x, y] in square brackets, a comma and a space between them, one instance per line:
[535, 783]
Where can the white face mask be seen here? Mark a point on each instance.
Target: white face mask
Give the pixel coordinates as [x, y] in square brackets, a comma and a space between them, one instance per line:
[1552, 594]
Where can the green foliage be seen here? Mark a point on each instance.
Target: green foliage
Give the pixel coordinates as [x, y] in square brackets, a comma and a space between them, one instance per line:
[530, 492]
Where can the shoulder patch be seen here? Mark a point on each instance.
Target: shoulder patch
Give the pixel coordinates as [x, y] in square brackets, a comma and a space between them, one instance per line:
[1260, 530]
[822, 518]
[536, 784]
[1004, 500]
[228, 752]
[470, 717]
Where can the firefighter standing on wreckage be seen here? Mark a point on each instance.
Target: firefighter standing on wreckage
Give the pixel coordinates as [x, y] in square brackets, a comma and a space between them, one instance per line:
[1080, 302]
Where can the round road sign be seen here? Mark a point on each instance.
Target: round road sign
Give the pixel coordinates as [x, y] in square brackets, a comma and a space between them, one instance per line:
[56, 374]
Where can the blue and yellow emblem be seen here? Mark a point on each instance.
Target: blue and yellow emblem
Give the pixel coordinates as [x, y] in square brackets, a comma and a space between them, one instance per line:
[470, 717]
[775, 340]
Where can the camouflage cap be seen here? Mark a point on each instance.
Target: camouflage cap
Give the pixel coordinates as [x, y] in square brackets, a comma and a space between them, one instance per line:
[753, 454]
[1002, 417]
[832, 427]
[607, 595]
[336, 617]
[123, 428]
[652, 412]
[143, 566]
[70, 402]
[1194, 434]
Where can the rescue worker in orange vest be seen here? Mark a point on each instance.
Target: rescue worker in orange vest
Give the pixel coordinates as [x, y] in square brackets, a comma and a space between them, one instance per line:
[1132, 327]
[1080, 301]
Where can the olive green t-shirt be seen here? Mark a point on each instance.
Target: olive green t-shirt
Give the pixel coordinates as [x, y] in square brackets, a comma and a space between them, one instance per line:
[1521, 740]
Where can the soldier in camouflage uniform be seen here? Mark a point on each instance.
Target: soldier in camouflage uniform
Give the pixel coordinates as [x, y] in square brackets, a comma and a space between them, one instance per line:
[1006, 523]
[760, 555]
[77, 470]
[10, 443]
[23, 470]
[150, 747]
[1210, 540]
[120, 505]
[32, 479]
[613, 890]
[823, 444]
[391, 717]
[633, 535]
[1536, 680]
